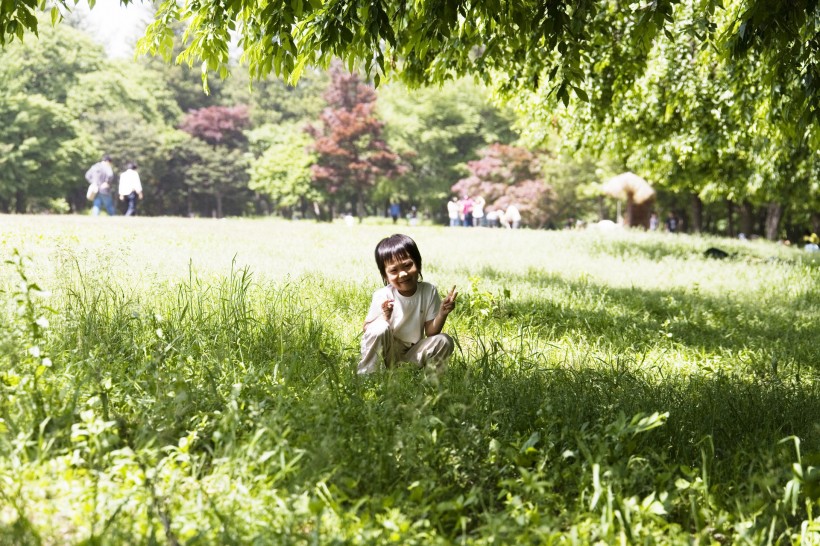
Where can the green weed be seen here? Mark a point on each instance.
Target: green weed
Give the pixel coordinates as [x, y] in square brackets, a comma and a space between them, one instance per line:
[591, 399]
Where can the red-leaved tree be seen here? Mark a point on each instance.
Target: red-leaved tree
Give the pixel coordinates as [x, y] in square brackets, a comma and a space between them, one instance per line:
[351, 154]
[218, 125]
[509, 175]
[222, 170]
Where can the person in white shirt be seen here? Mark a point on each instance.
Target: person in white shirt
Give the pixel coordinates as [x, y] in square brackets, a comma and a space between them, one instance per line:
[453, 211]
[130, 188]
[513, 217]
[478, 212]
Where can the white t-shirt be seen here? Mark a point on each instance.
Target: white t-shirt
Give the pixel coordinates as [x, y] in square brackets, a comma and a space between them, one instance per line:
[512, 214]
[130, 181]
[478, 208]
[452, 210]
[409, 313]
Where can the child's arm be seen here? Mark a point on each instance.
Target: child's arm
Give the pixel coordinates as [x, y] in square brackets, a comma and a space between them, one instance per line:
[433, 327]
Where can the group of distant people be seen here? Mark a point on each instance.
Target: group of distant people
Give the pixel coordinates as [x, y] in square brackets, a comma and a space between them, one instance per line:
[470, 212]
[100, 179]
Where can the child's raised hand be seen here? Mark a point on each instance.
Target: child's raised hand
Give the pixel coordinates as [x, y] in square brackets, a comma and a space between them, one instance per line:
[449, 302]
[387, 309]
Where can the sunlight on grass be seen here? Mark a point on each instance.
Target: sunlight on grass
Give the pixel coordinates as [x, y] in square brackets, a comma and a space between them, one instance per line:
[184, 381]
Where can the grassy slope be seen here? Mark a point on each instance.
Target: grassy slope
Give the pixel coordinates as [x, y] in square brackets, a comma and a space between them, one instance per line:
[607, 385]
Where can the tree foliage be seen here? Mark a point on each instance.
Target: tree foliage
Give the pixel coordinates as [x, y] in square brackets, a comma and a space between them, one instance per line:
[350, 152]
[714, 102]
[218, 125]
[704, 128]
[273, 101]
[282, 172]
[437, 130]
[43, 146]
[510, 175]
[518, 44]
[42, 150]
[220, 171]
[51, 65]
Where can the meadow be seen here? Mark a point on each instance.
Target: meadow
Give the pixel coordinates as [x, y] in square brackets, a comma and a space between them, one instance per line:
[190, 381]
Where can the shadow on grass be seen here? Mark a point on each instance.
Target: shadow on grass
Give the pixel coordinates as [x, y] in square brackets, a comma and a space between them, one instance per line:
[688, 247]
[273, 390]
[636, 319]
[481, 422]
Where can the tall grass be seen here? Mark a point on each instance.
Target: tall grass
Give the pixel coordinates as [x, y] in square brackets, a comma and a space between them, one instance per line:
[191, 382]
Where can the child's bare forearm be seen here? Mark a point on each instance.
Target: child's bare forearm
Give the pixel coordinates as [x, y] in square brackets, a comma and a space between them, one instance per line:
[435, 326]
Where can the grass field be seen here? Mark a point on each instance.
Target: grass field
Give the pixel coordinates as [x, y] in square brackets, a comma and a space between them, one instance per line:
[176, 381]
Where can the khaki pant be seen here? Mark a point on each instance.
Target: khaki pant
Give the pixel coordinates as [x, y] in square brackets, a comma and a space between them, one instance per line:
[379, 346]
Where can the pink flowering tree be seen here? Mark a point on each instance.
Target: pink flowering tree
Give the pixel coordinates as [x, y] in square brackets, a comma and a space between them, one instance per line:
[509, 175]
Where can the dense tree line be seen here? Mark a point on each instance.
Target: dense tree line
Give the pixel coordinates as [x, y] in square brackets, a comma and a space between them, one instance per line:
[319, 148]
[673, 91]
[727, 154]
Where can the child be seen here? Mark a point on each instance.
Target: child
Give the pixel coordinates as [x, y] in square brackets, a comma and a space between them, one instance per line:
[406, 316]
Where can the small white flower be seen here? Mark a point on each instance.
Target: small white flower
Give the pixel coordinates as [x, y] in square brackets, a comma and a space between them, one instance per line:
[42, 322]
[34, 351]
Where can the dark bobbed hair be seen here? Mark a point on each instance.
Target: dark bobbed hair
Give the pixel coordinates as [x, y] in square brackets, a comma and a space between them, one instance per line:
[131, 165]
[396, 247]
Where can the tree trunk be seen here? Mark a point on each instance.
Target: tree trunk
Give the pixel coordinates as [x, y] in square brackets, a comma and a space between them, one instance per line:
[360, 206]
[262, 204]
[601, 212]
[303, 207]
[815, 222]
[20, 202]
[697, 213]
[730, 217]
[218, 196]
[746, 218]
[190, 203]
[774, 213]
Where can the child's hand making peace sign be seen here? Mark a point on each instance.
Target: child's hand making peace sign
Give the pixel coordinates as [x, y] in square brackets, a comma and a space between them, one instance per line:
[449, 302]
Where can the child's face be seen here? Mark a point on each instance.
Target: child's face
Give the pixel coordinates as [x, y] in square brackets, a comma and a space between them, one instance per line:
[403, 275]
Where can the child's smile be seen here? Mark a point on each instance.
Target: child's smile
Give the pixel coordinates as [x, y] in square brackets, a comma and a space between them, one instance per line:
[403, 275]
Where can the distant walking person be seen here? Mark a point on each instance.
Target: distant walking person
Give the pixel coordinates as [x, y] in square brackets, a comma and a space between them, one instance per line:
[100, 177]
[671, 222]
[130, 188]
[467, 211]
[453, 210]
[653, 222]
[395, 211]
[478, 212]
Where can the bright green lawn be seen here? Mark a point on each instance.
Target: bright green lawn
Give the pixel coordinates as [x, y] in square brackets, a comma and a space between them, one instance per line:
[193, 382]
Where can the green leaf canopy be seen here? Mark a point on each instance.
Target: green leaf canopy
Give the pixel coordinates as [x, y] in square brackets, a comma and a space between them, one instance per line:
[518, 43]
